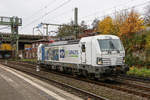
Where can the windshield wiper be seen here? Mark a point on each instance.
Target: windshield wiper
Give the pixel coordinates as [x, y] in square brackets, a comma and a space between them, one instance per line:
[118, 51]
[113, 47]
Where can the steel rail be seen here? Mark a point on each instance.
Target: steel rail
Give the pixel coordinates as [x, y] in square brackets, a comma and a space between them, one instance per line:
[136, 78]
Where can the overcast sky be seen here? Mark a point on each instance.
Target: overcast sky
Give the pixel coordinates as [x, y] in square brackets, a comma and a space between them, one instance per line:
[34, 12]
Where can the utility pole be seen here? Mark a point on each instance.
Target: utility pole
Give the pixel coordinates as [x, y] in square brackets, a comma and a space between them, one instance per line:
[33, 30]
[14, 22]
[15, 36]
[47, 31]
[76, 22]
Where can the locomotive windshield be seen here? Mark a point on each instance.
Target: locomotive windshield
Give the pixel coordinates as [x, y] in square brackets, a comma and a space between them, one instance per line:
[110, 45]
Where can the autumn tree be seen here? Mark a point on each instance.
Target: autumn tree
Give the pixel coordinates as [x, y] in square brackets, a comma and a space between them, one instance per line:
[129, 30]
[132, 24]
[118, 20]
[130, 33]
[105, 26]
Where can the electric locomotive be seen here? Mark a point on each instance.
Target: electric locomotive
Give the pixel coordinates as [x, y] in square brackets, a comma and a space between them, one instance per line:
[95, 56]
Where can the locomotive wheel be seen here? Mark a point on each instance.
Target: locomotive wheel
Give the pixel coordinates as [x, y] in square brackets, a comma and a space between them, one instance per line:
[84, 73]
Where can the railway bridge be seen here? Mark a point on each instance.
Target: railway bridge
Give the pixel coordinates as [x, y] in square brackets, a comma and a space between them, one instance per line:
[6, 47]
[23, 39]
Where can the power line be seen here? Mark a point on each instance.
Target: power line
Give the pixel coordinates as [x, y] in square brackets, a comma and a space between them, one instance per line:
[61, 14]
[106, 9]
[46, 6]
[135, 6]
[48, 13]
[57, 8]
[115, 11]
[138, 5]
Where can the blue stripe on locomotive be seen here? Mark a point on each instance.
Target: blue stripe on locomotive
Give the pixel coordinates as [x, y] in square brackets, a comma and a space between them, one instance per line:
[43, 53]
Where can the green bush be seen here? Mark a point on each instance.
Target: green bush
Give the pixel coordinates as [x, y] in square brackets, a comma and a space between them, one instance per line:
[139, 71]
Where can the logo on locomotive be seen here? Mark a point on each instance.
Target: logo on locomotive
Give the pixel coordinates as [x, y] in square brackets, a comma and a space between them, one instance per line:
[68, 53]
[62, 53]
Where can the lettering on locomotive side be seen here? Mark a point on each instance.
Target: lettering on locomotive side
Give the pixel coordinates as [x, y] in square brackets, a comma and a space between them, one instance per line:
[72, 53]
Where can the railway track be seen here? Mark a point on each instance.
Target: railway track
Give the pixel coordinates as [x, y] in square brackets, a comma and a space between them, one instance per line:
[135, 78]
[85, 94]
[134, 87]
[121, 85]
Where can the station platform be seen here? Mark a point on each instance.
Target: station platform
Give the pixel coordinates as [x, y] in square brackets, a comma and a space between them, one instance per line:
[15, 85]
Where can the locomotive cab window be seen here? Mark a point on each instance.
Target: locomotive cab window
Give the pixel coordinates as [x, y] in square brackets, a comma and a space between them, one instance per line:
[83, 47]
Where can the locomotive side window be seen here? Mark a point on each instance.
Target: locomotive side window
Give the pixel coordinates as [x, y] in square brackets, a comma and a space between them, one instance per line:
[83, 47]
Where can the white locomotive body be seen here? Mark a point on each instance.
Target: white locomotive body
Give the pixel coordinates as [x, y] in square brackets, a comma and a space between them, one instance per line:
[95, 56]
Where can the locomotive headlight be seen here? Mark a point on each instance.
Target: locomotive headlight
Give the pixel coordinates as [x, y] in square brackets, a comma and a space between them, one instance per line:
[124, 60]
[99, 61]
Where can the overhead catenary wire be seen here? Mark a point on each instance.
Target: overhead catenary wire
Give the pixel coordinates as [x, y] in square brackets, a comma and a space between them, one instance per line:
[138, 5]
[61, 5]
[38, 11]
[135, 6]
[57, 8]
[116, 11]
[61, 14]
[33, 21]
[107, 9]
